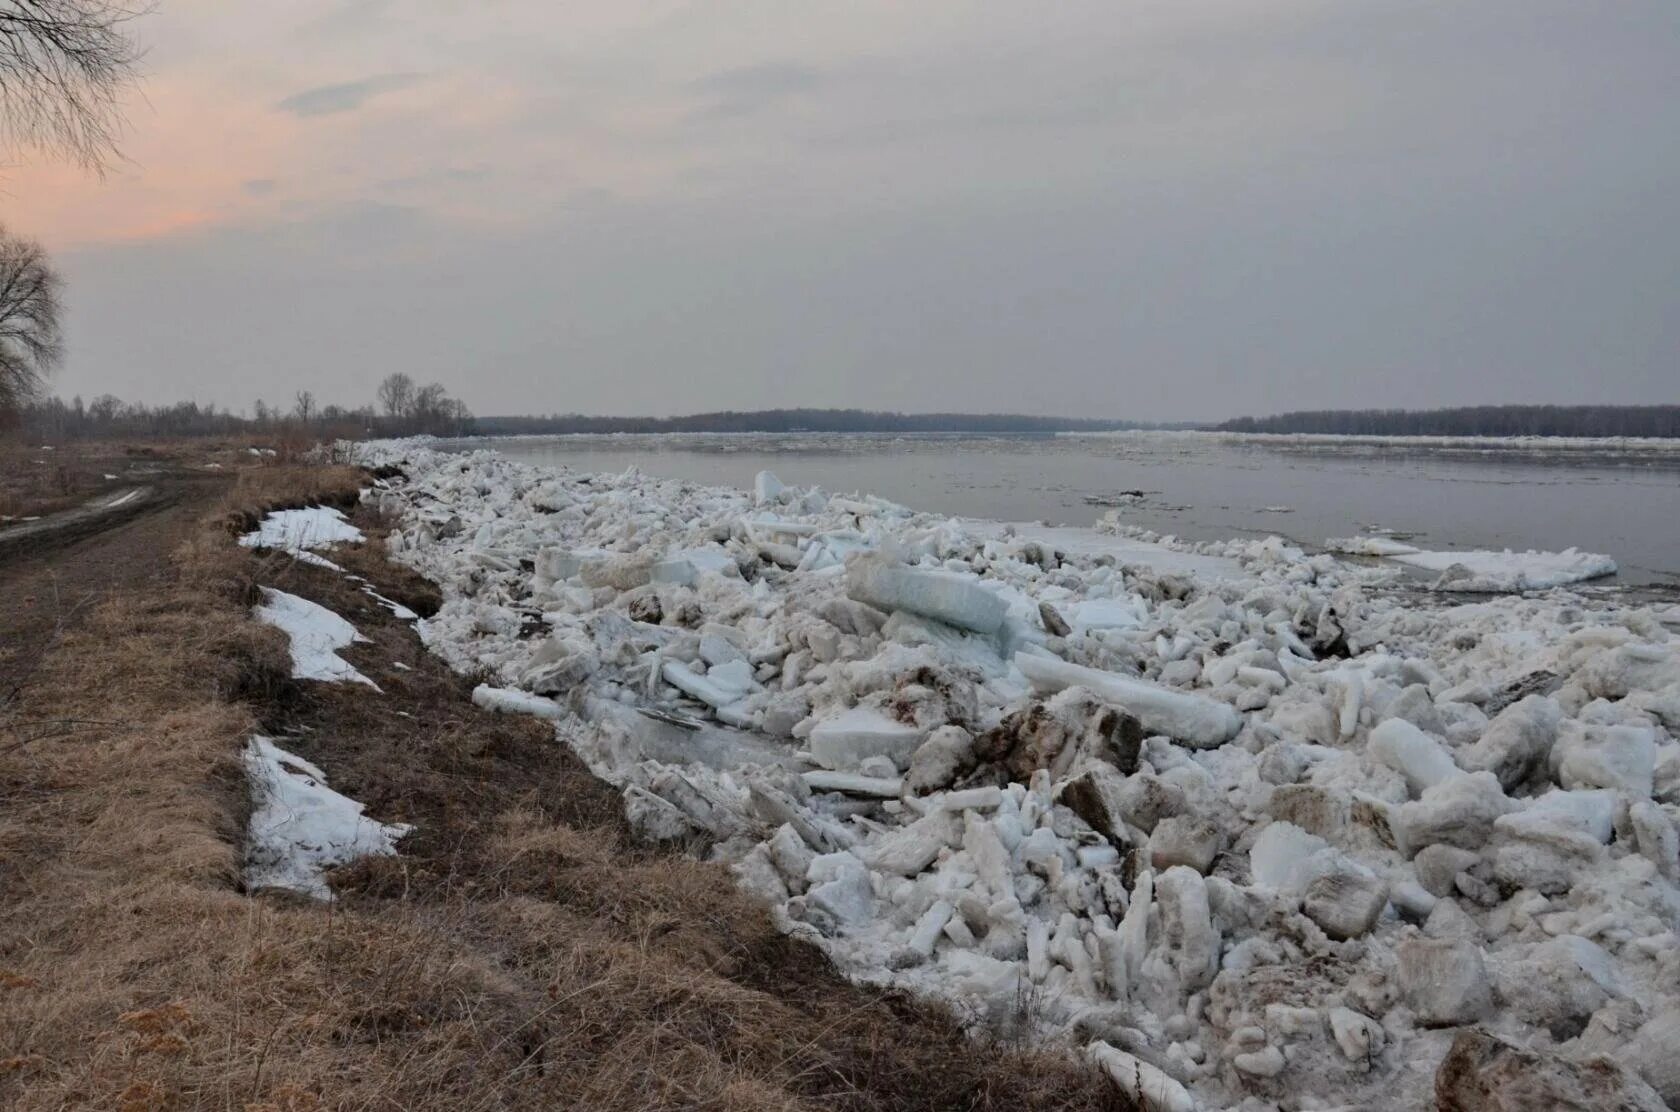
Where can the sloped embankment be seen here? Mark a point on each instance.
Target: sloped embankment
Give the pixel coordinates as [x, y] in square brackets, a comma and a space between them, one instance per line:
[517, 953]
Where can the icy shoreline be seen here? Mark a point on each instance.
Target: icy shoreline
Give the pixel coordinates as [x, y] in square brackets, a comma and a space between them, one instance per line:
[1224, 810]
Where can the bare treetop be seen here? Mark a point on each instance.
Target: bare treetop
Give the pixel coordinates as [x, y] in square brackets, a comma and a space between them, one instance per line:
[63, 67]
[30, 343]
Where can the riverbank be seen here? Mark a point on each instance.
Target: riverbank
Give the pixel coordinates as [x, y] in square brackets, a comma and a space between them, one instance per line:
[520, 951]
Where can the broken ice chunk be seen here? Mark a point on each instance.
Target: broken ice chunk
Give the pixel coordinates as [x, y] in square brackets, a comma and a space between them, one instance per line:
[717, 688]
[508, 701]
[882, 582]
[841, 741]
[851, 783]
[1191, 719]
[1444, 981]
[1459, 812]
[1417, 756]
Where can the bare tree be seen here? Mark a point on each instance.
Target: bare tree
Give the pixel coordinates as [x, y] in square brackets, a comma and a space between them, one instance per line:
[396, 395]
[64, 65]
[305, 405]
[30, 342]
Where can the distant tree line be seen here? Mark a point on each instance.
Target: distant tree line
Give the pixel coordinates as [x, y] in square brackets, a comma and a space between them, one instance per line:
[403, 410]
[801, 420]
[1479, 420]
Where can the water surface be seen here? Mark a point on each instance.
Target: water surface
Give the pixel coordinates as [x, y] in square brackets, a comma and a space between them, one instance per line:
[1624, 501]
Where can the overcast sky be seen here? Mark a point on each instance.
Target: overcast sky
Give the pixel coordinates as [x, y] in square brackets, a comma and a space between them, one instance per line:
[1161, 209]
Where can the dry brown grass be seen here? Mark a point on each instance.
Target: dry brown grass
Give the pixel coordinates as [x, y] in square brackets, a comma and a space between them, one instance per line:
[518, 954]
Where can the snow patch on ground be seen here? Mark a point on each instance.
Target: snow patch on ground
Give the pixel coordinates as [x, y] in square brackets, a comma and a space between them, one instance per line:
[300, 827]
[316, 635]
[302, 532]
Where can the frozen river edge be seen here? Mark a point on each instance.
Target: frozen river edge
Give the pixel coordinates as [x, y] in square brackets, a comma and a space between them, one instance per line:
[1231, 815]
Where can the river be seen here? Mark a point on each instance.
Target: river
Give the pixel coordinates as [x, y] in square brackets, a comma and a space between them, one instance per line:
[1622, 499]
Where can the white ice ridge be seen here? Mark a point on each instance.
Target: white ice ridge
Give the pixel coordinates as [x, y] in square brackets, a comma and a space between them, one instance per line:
[316, 634]
[1243, 822]
[1482, 571]
[300, 827]
[303, 532]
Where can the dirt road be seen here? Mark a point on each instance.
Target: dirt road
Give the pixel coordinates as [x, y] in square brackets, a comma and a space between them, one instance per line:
[53, 570]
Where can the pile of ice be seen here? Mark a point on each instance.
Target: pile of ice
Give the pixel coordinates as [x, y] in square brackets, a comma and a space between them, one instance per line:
[1482, 571]
[1253, 833]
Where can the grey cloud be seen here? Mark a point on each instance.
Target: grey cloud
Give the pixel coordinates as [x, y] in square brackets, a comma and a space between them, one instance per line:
[258, 187]
[326, 100]
[737, 92]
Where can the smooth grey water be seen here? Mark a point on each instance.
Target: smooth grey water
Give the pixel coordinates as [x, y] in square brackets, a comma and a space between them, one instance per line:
[1622, 501]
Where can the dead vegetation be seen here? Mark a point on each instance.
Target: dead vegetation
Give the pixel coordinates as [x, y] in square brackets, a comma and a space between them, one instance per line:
[520, 953]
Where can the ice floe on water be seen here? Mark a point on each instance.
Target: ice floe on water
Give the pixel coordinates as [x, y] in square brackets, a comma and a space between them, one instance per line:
[315, 633]
[1483, 571]
[1243, 822]
[300, 827]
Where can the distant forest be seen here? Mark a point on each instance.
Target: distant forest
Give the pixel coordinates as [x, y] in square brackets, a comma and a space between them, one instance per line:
[803, 420]
[1478, 420]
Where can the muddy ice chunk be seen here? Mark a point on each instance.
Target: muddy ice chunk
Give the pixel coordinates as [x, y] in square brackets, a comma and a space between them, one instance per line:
[653, 819]
[1657, 838]
[559, 664]
[947, 753]
[1482, 1073]
[1417, 756]
[791, 856]
[1265, 1062]
[758, 875]
[618, 570]
[1052, 620]
[1358, 1035]
[884, 583]
[1459, 811]
[784, 711]
[1346, 903]
[842, 740]
[1184, 840]
[1191, 719]
[1443, 981]
[1517, 743]
[1450, 921]
[1095, 795]
[1558, 983]
[1545, 845]
[1436, 867]
[1651, 1053]
[1618, 757]
[1073, 727]
[1315, 809]
[1187, 947]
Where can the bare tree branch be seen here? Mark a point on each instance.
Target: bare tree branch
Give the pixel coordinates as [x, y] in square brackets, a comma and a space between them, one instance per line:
[64, 65]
